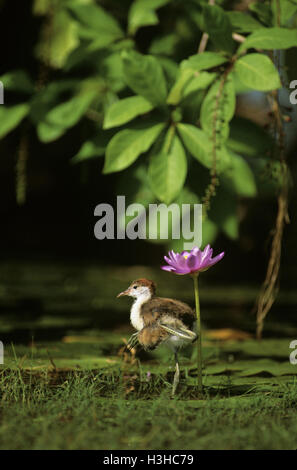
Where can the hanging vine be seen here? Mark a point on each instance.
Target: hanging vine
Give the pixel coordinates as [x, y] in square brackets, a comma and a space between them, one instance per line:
[270, 287]
[21, 168]
[218, 122]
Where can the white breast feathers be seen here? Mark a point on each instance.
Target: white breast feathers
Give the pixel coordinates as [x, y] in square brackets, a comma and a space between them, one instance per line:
[135, 316]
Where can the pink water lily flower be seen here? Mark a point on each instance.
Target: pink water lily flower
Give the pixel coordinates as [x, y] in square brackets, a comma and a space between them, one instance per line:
[191, 262]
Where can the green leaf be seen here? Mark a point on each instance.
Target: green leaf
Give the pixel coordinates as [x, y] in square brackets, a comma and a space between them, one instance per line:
[69, 113]
[287, 11]
[111, 69]
[41, 7]
[199, 82]
[258, 72]
[197, 143]
[164, 45]
[270, 38]
[64, 116]
[200, 146]
[223, 212]
[17, 80]
[263, 11]
[269, 176]
[101, 42]
[187, 82]
[168, 170]
[142, 13]
[11, 117]
[125, 110]
[204, 60]
[253, 367]
[48, 132]
[95, 17]
[218, 109]
[191, 106]
[239, 177]
[239, 86]
[49, 96]
[186, 196]
[95, 22]
[144, 75]
[209, 231]
[175, 94]
[88, 150]
[243, 22]
[60, 39]
[126, 146]
[170, 69]
[135, 185]
[218, 26]
[93, 148]
[266, 348]
[247, 138]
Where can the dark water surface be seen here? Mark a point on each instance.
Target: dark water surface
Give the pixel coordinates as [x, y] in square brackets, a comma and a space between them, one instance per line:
[48, 300]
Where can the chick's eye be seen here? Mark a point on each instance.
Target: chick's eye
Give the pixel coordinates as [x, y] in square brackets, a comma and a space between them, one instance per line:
[134, 287]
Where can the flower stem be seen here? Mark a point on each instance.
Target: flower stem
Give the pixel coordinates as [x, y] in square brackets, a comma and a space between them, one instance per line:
[199, 356]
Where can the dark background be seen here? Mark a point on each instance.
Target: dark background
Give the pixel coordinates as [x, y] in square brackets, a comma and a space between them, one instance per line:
[57, 221]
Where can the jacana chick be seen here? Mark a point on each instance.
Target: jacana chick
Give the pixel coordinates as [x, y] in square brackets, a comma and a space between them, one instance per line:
[159, 320]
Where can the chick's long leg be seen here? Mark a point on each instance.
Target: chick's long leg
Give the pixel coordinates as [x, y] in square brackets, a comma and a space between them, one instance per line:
[176, 375]
[133, 341]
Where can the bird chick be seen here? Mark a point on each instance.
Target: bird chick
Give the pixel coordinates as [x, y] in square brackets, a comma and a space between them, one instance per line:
[159, 320]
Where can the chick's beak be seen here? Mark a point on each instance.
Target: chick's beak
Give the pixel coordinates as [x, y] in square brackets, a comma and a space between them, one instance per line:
[125, 292]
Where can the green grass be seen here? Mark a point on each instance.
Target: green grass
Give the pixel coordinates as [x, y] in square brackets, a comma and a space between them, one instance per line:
[79, 393]
[76, 396]
[87, 412]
